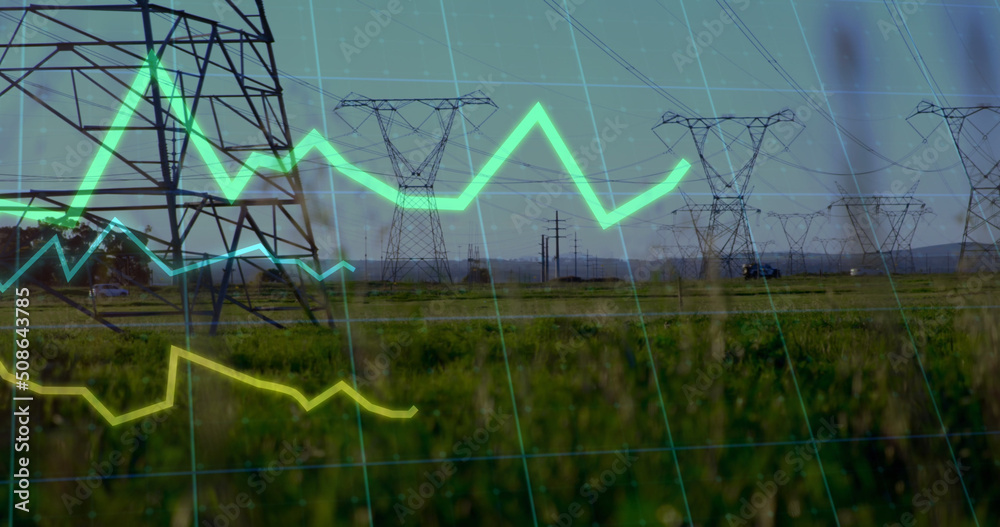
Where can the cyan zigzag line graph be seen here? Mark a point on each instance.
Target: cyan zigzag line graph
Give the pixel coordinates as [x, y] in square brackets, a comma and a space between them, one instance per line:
[70, 272]
[232, 187]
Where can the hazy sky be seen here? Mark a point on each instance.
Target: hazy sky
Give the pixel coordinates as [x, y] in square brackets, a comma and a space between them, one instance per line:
[523, 53]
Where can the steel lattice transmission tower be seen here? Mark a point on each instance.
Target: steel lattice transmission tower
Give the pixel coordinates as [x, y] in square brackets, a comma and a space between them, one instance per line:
[699, 219]
[885, 226]
[835, 258]
[224, 79]
[728, 234]
[796, 228]
[762, 246]
[972, 131]
[687, 250]
[416, 247]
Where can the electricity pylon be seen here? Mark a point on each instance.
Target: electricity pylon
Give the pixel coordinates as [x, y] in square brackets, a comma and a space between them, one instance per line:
[885, 226]
[686, 250]
[971, 129]
[727, 237]
[833, 251]
[796, 228]
[167, 71]
[416, 247]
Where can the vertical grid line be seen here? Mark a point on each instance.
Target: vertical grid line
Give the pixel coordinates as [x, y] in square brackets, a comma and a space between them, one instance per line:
[628, 266]
[343, 279]
[767, 288]
[188, 326]
[496, 303]
[885, 264]
[17, 264]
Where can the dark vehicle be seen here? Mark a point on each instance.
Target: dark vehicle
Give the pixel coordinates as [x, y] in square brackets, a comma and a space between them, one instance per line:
[108, 290]
[755, 271]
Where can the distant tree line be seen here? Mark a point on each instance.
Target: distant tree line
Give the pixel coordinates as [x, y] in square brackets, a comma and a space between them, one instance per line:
[116, 256]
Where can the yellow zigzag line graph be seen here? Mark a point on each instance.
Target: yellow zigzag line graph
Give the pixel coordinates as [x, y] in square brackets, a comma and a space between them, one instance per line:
[232, 187]
[175, 355]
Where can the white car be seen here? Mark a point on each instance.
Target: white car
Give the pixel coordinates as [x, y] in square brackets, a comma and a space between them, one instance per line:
[107, 290]
[865, 272]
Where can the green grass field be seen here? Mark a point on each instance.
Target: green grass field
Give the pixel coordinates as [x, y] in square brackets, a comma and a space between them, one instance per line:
[703, 406]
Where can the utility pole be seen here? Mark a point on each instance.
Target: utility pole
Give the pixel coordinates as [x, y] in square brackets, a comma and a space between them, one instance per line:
[545, 258]
[548, 256]
[588, 264]
[576, 260]
[557, 237]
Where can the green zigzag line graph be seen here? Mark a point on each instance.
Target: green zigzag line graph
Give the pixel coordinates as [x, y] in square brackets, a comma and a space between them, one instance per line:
[70, 272]
[232, 187]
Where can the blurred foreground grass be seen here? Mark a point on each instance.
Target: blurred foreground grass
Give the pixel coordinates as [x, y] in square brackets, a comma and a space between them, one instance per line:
[704, 401]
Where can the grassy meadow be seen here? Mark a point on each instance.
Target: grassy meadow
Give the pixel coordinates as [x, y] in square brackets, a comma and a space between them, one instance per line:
[798, 401]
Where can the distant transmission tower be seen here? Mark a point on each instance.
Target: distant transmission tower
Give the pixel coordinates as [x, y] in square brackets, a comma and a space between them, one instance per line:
[477, 273]
[728, 233]
[170, 75]
[972, 131]
[704, 220]
[763, 246]
[416, 241]
[885, 226]
[905, 224]
[833, 252]
[687, 250]
[796, 227]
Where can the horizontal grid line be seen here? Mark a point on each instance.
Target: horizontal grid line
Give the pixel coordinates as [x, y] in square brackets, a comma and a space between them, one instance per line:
[649, 450]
